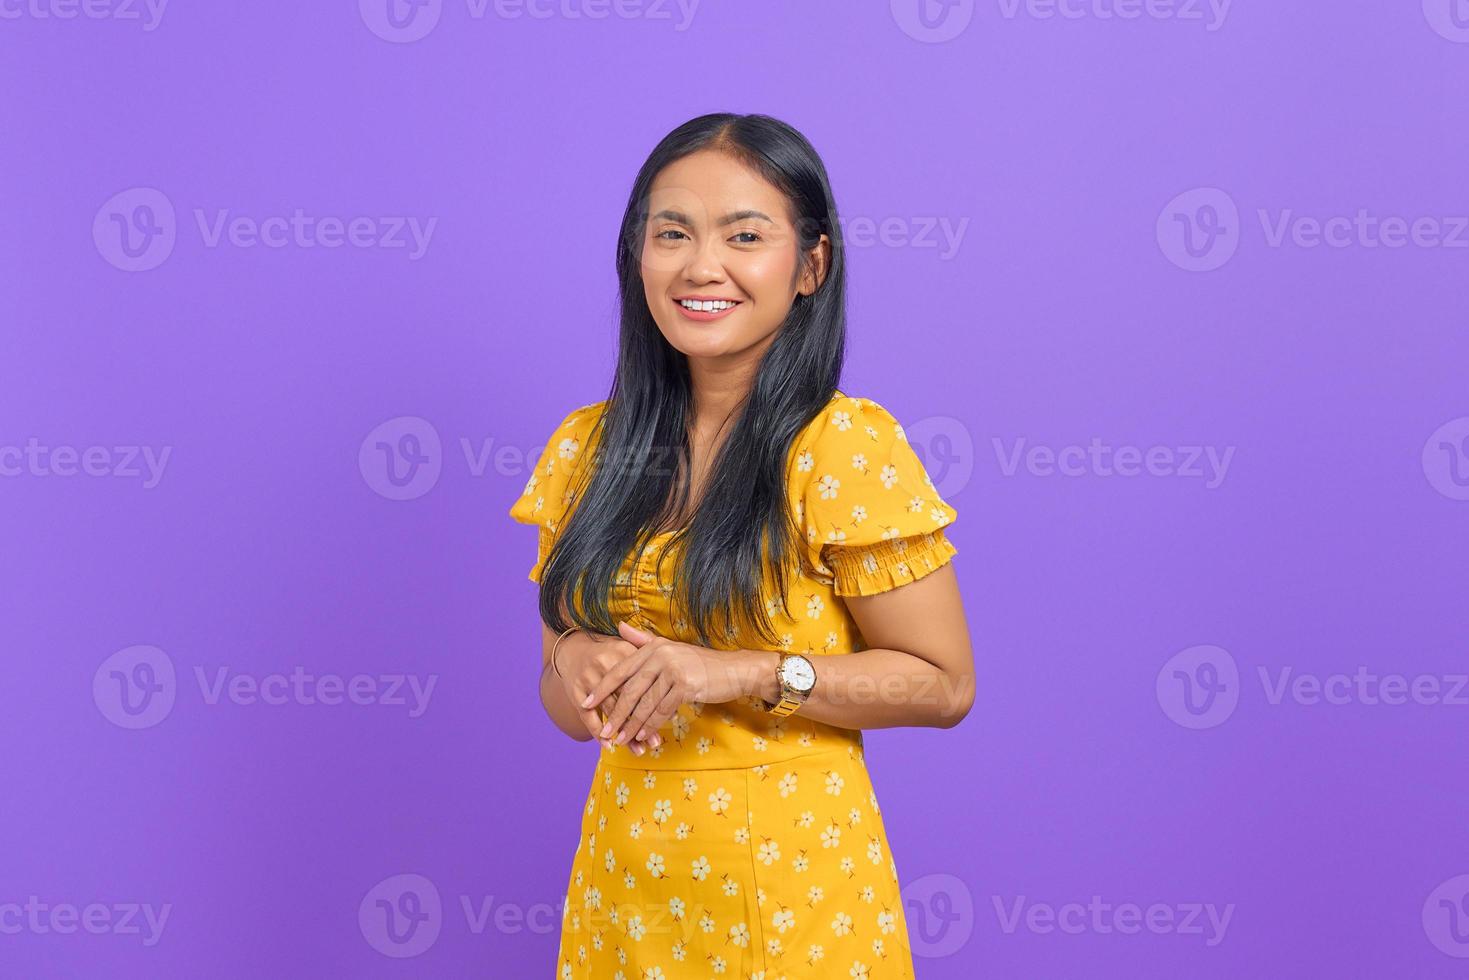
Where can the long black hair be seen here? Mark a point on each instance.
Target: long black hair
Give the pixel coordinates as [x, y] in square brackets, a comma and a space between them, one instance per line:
[626, 488]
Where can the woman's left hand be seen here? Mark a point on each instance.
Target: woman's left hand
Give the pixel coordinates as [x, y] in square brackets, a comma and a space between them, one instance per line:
[652, 683]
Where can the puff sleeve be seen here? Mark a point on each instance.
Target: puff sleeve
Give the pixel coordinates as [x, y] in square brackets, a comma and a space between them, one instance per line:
[872, 517]
[548, 492]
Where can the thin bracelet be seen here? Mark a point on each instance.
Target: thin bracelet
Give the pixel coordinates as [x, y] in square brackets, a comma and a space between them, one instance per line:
[558, 643]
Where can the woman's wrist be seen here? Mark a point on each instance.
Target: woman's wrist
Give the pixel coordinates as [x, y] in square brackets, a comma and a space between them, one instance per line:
[757, 673]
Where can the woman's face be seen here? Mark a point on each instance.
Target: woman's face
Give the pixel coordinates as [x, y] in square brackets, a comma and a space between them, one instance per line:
[718, 231]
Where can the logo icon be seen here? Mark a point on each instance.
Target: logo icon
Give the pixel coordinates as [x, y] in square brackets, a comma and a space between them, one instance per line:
[1199, 229]
[400, 21]
[401, 459]
[1446, 459]
[401, 916]
[136, 229]
[1199, 687]
[1450, 18]
[135, 687]
[1446, 916]
[939, 909]
[932, 21]
[946, 451]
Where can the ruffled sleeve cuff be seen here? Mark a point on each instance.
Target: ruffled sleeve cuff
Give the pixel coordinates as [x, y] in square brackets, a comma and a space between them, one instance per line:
[884, 565]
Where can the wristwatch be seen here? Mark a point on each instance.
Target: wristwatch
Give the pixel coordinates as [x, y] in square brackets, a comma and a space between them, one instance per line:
[797, 677]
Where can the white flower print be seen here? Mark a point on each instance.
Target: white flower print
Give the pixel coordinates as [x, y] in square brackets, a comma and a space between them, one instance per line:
[831, 836]
[815, 606]
[701, 868]
[859, 970]
[635, 927]
[769, 852]
[787, 784]
[828, 486]
[834, 783]
[842, 421]
[622, 794]
[655, 864]
[842, 924]
[730, 886]
[662, 810]
[783, 919]
[739, 934]
[814, 894]
[814, 952]
[888, 475]
[800, 862]
[874, 850]
[887, 923]
[719, 800]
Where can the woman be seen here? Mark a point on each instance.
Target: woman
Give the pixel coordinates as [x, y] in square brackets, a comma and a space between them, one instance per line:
[741, 567]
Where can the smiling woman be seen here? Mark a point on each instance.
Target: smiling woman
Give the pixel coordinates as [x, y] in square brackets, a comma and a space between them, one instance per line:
[741, 567]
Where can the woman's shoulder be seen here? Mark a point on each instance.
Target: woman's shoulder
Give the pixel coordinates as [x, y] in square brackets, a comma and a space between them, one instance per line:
[847, 419]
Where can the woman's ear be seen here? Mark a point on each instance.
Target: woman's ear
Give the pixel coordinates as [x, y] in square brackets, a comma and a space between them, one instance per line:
[816, 263]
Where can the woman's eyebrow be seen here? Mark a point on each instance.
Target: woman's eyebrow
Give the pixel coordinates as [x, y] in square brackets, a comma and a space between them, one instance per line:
[728, 219]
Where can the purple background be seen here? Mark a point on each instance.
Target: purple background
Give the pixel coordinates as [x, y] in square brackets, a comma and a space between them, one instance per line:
[1335, 375]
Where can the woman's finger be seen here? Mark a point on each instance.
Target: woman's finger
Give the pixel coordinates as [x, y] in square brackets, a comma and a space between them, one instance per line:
[666, 709]
[647, 701]
[628, 696]
[613, 679]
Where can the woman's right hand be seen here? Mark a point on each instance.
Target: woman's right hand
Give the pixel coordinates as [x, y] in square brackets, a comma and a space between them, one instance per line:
[585, 658]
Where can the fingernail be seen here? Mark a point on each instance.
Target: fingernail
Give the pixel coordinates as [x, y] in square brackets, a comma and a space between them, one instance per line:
[655, 741]
[621, 737]
[642, 733]
[586, 702]
[637, 749]
[607, 729]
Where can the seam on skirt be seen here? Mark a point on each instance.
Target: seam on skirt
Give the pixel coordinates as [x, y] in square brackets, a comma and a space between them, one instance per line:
[754, 876]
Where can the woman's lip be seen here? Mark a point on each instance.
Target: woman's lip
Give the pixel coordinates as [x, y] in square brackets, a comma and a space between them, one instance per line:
[703, 317]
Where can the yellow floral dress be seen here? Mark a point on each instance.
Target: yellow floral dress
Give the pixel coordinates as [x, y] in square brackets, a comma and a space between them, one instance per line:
[749, 846]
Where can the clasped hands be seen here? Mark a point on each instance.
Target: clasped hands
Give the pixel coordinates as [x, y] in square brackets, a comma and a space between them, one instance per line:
[640, 679]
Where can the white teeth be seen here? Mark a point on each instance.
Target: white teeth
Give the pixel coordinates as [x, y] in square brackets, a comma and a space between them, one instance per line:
[706, 306]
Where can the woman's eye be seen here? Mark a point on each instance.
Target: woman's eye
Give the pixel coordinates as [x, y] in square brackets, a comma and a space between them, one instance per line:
[747, 237]
[669, 231]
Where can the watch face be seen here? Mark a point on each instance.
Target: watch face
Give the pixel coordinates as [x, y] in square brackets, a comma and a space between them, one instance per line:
[798, 673]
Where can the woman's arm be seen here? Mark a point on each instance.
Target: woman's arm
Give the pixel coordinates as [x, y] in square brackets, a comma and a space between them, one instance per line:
[579, 652]
[567, 716]
[918, 668]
